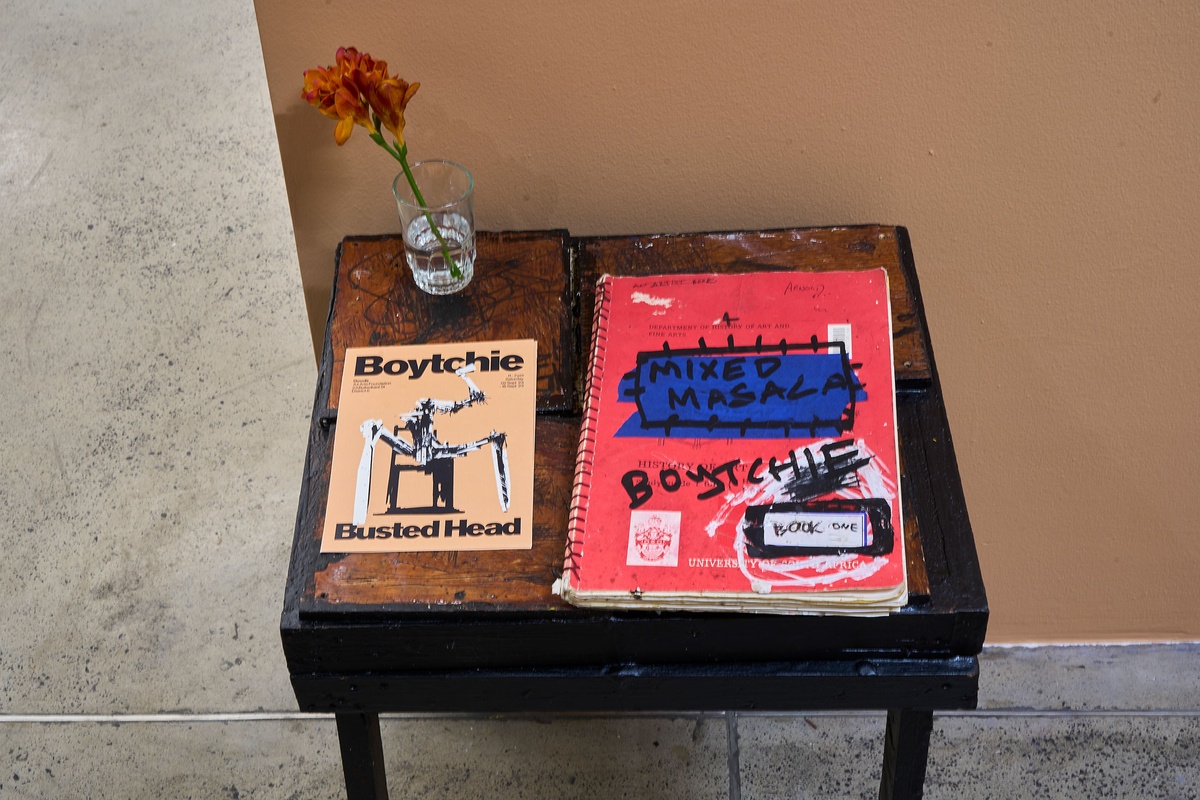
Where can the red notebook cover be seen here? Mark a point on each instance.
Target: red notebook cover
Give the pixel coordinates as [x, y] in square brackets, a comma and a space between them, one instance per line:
[739, 446]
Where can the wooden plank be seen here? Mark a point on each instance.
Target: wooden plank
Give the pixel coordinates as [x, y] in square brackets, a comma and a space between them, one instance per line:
[940, 499]
[800, 249]
[521, 290]
[848, 683]
[918, 578]
[358, 640]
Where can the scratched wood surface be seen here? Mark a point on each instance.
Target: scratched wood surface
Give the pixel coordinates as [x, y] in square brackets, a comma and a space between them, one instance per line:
[521, 290]
[918, 578]
[375, 303]
[799, 249]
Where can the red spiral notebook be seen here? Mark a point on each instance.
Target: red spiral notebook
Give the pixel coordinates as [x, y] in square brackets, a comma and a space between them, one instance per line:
[739, 450]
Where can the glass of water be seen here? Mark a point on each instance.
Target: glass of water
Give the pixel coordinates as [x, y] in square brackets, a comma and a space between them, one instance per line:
[438, 225]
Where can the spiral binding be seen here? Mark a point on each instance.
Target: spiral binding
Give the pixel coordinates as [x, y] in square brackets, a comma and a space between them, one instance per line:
[581, 488]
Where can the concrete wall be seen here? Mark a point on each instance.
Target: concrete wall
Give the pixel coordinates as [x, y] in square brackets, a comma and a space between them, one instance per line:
[1045, 157]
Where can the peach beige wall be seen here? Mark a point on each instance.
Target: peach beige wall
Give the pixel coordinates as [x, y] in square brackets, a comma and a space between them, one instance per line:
[1044, 156]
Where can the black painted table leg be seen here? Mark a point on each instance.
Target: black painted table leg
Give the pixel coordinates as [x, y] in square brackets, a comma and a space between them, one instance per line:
[362, 756]
[905, 754]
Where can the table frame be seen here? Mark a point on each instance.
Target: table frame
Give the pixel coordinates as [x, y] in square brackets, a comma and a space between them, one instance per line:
[359, 660]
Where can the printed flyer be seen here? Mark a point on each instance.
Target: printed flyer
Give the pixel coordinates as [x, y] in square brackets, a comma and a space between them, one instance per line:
[434, 449]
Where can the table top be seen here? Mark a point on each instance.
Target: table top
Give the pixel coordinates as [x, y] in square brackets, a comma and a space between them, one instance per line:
[401, 611]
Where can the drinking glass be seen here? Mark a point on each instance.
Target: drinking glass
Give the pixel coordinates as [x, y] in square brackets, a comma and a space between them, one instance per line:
[441, 227]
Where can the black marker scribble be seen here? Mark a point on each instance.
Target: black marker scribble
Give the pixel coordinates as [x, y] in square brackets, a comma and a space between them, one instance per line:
[802, 474]
[758, 391]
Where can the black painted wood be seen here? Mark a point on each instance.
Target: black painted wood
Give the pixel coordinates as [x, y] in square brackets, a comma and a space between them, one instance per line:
[905, 754]
[800, 686]
[362, 756]
[620, 638]
[359, 660]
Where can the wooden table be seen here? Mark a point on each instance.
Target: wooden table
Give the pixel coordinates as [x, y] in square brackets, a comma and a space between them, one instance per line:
[481, 631]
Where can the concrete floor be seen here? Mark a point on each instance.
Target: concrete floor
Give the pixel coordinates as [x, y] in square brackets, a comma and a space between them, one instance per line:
[157, 376]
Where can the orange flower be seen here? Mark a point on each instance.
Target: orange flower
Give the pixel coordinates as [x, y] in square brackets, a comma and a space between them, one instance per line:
[388, 99]
[351, 111]
[320, 85]
[355, 88]
[359, 70]
[349, 59]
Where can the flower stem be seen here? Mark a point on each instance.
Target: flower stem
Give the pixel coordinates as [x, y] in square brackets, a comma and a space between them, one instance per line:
[400, 153]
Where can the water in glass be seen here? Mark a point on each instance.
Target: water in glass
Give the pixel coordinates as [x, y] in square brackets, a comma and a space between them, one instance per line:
[425, 257]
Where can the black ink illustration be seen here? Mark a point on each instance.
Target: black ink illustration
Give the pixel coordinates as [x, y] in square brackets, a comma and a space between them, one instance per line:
[837, 469]
[424, 453]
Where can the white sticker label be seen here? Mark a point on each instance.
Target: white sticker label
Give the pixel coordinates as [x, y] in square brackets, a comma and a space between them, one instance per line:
[653, 538]
[815, 529]
[841, 333]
